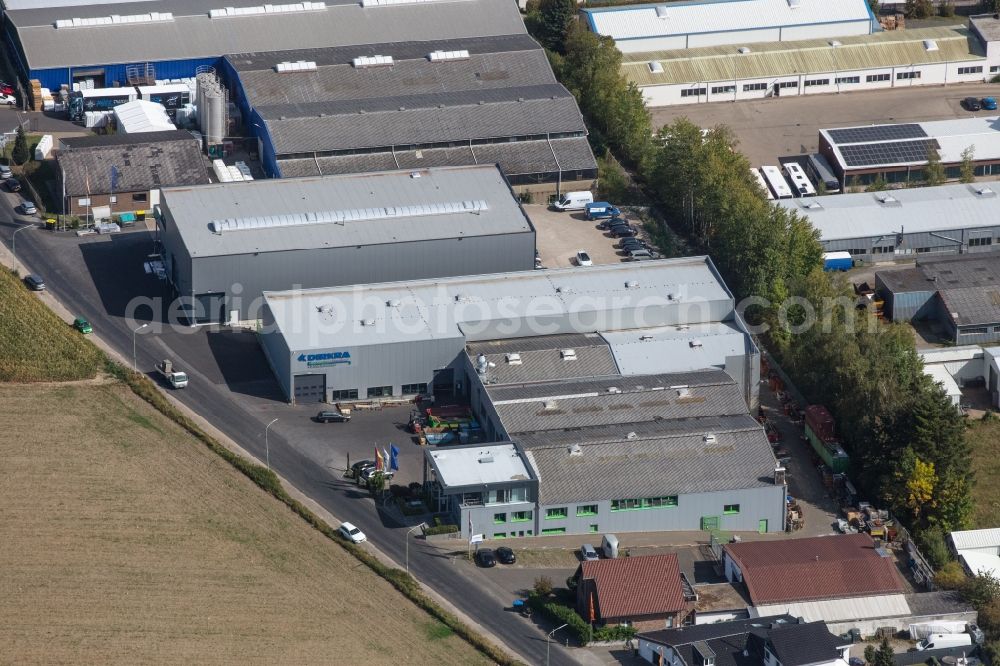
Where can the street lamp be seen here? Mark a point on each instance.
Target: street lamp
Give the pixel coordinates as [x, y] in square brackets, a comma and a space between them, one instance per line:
[408, 533]
[548, 641]
[133, 344]
[13, 245]
[267, 450]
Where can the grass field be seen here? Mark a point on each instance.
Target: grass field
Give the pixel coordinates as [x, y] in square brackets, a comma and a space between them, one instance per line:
[124, 540]
[985, 439]
[35, 345]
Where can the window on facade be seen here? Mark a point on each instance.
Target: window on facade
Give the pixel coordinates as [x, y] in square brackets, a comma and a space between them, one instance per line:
[971, 70]
[721, 90]
[994, 69]
[409, 389]
[854, 251]
[140, 197]
[556, 514]
[976, 330]
[848, 79]
[499, 496]
[883, 249]
[817, 82]
[980, 241]
[730, 509]
[645, 503]
[923, 250]
[788, 84]
[871, 78]
[996, 329]
[379, 391]
[554, 530]
[900, 76]
[499, 535]
[586, 510]
[520, 516]
[499, 518]
[693, 92]
[83, 202]
[593, 528]
[748, 87]
[344, 394]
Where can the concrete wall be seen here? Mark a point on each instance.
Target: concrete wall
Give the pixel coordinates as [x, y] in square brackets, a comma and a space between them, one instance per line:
[279, 357]
[741, 37]
[125, 202]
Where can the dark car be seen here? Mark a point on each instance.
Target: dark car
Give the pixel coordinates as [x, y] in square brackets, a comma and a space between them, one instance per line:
[610, 222]
[35, 283]
[972, 104]
[485, 558]
[13, 185]
[331, 416]
[622, 232]
[359, 467]
[631, 243]
[506, 555]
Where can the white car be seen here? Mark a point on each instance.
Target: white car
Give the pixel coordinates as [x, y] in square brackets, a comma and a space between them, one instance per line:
[583, 259]
[28, 208]
[352, 533]
[9, 100]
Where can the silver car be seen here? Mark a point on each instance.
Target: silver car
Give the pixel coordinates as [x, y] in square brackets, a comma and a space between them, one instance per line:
[28, 208]
[588, 553]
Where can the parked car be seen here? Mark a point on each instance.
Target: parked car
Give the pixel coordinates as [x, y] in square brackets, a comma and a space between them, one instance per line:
[588, 552]
[28, 208]
[485, 558]
[6, 88]
[506, 555]
[972, 104]
[352, 533]
[34, 283]
[82, 325]
[13, 185]
[624, 231]
[359, 467]
[368, 472]
[989, 103]
[631, 242]
[601, 209]
[574, 201]
[583, 259]
[640, 255]
[607, 223]
[332, 416]
[5, 172]
[8, 99]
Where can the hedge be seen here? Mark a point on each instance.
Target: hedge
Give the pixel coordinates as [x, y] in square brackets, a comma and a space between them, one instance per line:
[441, 529]
[563, 614]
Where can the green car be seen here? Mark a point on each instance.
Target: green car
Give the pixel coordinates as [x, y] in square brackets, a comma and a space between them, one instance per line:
[82, 325]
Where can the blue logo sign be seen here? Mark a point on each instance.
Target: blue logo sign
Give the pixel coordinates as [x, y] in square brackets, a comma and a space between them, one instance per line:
[326, 359]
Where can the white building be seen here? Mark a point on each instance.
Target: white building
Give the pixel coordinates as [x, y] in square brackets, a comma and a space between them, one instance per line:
[140, 116]
[978, 550]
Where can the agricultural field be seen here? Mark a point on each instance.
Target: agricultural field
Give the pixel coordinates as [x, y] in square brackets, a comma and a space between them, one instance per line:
[127, 541]
[35, 345]
[984, 436]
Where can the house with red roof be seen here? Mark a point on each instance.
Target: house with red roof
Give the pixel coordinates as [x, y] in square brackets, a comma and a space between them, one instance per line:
[648, 592]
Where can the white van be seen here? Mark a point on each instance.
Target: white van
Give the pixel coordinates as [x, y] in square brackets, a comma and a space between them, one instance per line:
[938, 641]
[609, 546]
[574, 201]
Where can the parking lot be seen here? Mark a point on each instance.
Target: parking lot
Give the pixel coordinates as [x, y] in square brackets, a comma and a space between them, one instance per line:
[775, 127]
[560, 235]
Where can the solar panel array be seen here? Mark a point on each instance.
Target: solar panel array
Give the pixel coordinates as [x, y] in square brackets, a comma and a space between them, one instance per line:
[877, 133]
[893, 152]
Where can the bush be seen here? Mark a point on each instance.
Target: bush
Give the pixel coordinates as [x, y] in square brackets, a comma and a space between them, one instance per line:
[933, 546]
[989, 618]
[950, 577]
[441, 529]
[563, 614]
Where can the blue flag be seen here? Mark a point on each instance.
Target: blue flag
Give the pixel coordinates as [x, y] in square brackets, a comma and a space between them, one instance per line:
[393, 458]
[114, 178]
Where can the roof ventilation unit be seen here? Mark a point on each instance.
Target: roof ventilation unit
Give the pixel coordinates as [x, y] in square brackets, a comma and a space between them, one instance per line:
[228, 12]
[930, 45]
[614, 389]
[709, 438]
[549, 405]
[484, 459]
[655, 67]
[661, 12]
[695, 344]
[513, 358]
[298, 66]
[568, 354]
[482, 364]
[813, 205]
[440, 56]
[794, 4]
[985, 191]
[646, 337]
[393, 303]
[744, 50]
[576, 450]
[683, 392]
[631, 284]
[372, 61]
[887, 200]
[367, 322]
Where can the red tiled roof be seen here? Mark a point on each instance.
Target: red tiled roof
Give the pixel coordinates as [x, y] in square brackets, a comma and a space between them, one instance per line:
[633, 586]
[827, 567]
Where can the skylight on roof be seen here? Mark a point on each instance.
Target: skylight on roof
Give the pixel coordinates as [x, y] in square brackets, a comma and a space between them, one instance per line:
[438, 56]
[298, 66]
[373, 61]
[930, 45]
[115, 19]
[258, 10]
[661, 12]
[655, 67]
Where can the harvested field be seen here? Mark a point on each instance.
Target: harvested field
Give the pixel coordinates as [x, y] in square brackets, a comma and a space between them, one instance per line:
[984, 437]
[126, 541]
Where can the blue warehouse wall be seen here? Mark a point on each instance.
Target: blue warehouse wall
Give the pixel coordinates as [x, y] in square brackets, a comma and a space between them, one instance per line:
[255, 125]
[115, 73]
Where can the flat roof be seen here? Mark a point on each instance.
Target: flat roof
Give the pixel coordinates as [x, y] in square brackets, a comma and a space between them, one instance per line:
[392, 207]
[683, 348]
[968, 285]
[484, 464]
[987, 25]
[912, 210]
[988, 538]
[502, 305]
[191, 33]
[890, 48]
[538, 358]
[714, 16]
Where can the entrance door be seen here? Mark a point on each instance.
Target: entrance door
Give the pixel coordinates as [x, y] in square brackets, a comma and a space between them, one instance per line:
[762, 526]
[444, 383]
[210, 308]
[310, 388]
[709, 523]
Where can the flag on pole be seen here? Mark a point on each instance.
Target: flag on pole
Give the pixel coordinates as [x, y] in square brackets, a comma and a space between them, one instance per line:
[385, 460]
[379, 462]
[471, 530]
[393, 458]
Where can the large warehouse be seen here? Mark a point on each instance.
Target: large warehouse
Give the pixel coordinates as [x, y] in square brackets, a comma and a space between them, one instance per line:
[394, 105]
[386, 339]
[225, 244]
[912, 222]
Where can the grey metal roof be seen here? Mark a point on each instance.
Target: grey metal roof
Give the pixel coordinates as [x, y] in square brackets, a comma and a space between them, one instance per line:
[192, 209]
[674, 464]
[105, 140]
[938, 602]
[618, 432]
[969, 285]
[540, 359]
[192, 34]
[141, 164]
[677, 348]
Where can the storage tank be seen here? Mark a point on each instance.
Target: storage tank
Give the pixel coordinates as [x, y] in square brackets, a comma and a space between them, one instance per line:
[212, 106]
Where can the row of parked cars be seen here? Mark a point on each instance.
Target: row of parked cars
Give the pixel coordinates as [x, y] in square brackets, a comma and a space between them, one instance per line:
[14, 185]
[610, 219]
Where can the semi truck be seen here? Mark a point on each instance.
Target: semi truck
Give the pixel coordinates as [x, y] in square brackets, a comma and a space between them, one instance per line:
[98, 99]
[175, 378]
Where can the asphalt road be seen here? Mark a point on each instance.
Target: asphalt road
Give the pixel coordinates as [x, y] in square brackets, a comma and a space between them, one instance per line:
[57, 259]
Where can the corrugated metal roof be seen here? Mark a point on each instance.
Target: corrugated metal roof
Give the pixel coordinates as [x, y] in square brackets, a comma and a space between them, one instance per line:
[918, 210]
[676, 348]
[684, 18]
[981, 563]
[539, 360]
[192, 34]
[838, 610]
[815, 56]
[192, 209]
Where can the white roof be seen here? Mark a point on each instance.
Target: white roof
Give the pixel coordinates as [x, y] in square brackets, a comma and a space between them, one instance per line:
[503, 305]
[684, 18]
[838, 610]
[981, 563]
[478, 465]
[971, 539]
[670, 349]
[951, 354]
[921, 209]
[940, 374]
[142, 116]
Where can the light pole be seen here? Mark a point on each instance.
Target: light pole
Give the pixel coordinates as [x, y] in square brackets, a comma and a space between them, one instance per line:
[548, 641]
[408, 533]
[133, 344]
[13, 245]
[267, 450]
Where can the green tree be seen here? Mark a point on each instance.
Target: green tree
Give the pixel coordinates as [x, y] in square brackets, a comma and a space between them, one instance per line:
[554, 19]
[946, 8]
[880, 656]
[612, 181]
[934, 171]
[968, 167]
[874, 6]
[20, 154]
[982, 590]
[878, 185]
[918, 9]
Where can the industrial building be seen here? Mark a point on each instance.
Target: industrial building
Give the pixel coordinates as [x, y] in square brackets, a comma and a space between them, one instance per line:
[107, 44]
[912, 222]
[955, 368]
[898, 153]
[126, 172]
[960, 295]
[225, 244]
[402, 105]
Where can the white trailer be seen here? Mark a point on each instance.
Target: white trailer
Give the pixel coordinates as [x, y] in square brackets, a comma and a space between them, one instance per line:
[800, 180]
[777, 182]
[755, 172]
